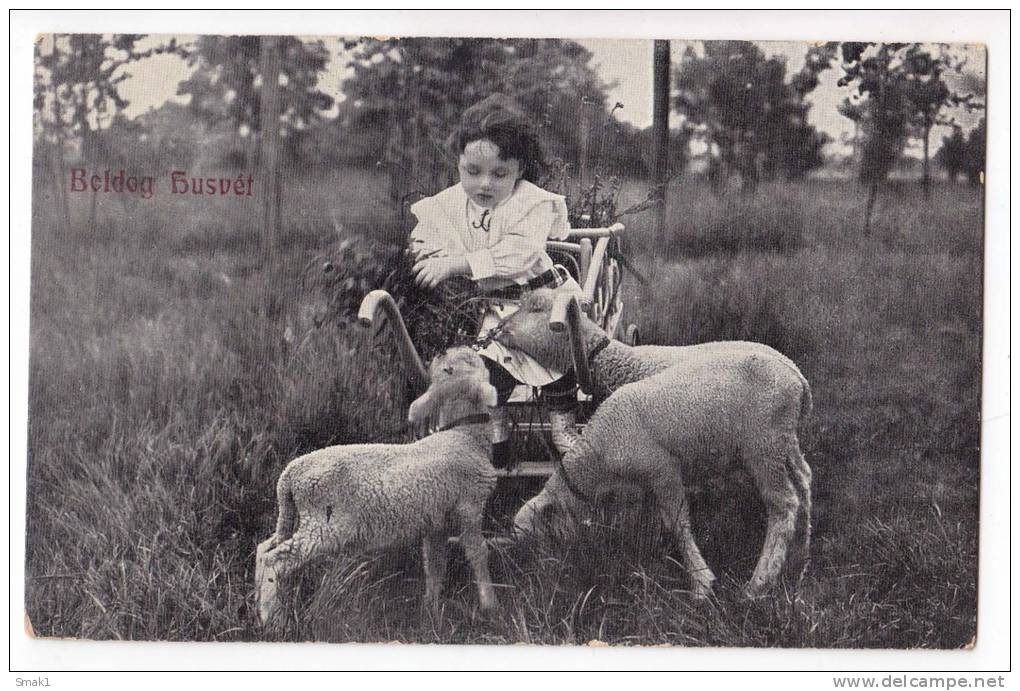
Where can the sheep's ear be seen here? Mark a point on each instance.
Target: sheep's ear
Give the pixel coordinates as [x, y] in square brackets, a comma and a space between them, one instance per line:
[421, 409]
[487, 395]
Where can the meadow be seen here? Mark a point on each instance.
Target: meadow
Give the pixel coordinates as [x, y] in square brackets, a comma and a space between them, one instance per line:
[164, 401]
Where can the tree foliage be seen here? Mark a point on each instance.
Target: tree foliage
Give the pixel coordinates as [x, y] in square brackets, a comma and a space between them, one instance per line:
[899, 91]
[77, 102]
[77, 84]
[742, 104]
[963, 154]
[226, 87]
[415, 89]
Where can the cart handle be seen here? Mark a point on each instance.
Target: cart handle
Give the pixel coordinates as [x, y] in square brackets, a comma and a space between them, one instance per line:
[368, 314]
[566, 315]
[598, 261]
[596, 233]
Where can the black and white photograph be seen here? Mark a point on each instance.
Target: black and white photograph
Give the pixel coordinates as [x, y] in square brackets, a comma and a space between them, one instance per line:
[497, 341]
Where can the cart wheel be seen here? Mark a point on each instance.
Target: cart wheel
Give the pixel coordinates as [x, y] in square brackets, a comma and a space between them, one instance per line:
[632, 336]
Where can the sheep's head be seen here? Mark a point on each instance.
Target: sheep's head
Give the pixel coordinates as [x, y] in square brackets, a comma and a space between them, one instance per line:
[528, 330]
[459, 386]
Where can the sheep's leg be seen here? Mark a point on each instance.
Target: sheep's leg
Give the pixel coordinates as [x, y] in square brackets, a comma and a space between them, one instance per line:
[477, 554]
[676, 515]
[782, 506]
[800, 471]
[434, 550]
[274, 568]
[267, 595]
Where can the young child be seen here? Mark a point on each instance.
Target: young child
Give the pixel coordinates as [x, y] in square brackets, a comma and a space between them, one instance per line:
[492, 227]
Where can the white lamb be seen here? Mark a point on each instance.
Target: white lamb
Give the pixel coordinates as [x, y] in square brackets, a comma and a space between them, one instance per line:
[549, 325]
[372, 496]
[677, 416]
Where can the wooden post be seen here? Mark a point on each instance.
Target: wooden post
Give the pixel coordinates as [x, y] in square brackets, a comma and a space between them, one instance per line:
[926, 169]
[660, 128]
[269, 161]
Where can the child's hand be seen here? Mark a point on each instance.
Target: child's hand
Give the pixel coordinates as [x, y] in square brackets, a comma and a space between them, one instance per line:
[430, 272]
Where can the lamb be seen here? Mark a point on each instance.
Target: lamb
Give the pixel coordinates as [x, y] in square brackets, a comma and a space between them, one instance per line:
[371, 496]
[674, 416]
[550, 327]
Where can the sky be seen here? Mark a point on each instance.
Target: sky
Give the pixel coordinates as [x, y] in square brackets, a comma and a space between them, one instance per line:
[624, 64]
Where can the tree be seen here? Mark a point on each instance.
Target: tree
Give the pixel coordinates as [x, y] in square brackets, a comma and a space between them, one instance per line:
[975, 167]
[899, 91]
[953, 154]
[879, 106]
[415, 90]
[928, 95]
[77, 80]
[227, 86]
[743, 105]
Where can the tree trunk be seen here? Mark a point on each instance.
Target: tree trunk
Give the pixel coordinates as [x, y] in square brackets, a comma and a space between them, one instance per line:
[269, 164]
[855, 144]
[926, 170]
[660, 129]
[872, 196]
[60, 179]
[748, 171]
[91, 228]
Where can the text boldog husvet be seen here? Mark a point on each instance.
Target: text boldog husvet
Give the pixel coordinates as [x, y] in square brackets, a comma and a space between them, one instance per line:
[144, 186]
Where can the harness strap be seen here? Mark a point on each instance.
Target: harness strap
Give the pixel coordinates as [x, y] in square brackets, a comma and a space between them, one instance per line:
[554, 276]
[599, 347]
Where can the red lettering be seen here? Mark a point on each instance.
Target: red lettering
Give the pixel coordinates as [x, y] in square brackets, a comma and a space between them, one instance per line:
[78, 177]
[174, 180]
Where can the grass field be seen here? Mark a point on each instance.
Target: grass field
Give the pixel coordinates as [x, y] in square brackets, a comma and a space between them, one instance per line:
[164, 403]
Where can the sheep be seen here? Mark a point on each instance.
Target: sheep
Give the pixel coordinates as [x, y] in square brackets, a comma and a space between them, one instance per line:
[673, 417]
[549, 324]
[363, 497]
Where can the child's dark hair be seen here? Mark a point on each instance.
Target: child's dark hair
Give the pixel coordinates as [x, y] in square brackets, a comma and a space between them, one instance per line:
[501, 120]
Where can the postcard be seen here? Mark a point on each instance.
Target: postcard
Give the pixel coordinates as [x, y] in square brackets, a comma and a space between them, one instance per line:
[499, 341]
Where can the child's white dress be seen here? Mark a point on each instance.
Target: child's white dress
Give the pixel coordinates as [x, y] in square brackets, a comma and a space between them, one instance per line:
[504, 246]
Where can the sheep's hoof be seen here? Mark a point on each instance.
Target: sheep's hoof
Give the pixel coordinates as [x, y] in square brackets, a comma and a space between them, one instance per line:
[491, 613]
[273, 624]
[755, 590]
[702, 588]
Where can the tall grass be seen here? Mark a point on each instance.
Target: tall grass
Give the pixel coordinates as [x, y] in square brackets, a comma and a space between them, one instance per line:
[164, 403]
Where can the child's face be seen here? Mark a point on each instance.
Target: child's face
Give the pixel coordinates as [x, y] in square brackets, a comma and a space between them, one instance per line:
[487, 179]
